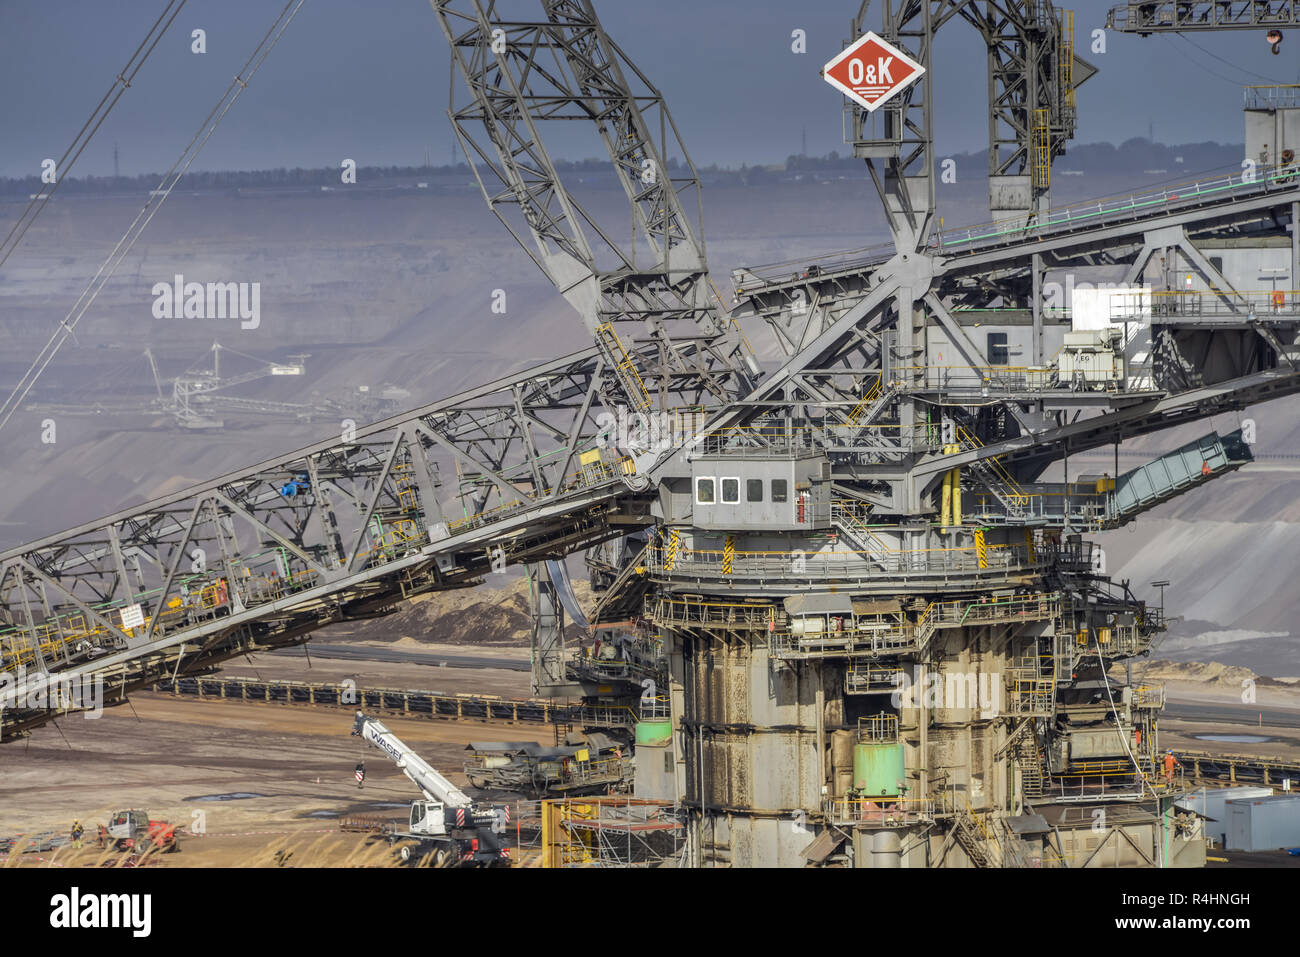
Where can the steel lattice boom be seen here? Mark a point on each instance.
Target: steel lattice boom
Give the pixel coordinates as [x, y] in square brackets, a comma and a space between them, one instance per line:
[779, 554]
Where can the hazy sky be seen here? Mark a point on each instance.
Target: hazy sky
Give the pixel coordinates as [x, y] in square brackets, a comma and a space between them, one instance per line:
[368, 79]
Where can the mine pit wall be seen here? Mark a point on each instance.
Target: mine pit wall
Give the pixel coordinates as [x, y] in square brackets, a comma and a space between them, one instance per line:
[768, 764]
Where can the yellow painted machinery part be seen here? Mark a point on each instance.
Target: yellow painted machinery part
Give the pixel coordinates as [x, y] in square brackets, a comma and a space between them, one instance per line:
[946, 504]
[956, 496]
[550, 829]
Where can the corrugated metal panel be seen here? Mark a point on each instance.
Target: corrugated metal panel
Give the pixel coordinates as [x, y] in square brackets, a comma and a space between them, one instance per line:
[883, 607]
[1102, 743]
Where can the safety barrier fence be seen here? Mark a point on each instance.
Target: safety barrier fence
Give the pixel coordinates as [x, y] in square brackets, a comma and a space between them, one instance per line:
[879, 812]
[843, 564]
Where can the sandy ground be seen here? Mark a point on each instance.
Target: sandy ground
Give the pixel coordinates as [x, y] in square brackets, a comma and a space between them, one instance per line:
[260, 784]
[1181, 735]
[294, 665]
[172, 756]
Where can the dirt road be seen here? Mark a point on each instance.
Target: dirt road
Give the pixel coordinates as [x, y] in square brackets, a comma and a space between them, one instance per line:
[248, 779]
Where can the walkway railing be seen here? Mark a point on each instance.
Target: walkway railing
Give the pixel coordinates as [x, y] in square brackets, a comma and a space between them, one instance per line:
[880, 812]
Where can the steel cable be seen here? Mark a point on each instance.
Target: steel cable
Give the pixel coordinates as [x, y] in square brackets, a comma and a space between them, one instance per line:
[69, 158]
[147, 212]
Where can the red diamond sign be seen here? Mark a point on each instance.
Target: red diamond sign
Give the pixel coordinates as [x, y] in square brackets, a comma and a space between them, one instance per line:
[871, 71]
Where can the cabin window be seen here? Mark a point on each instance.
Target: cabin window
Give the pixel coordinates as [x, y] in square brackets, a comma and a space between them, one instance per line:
[780, 490]
[704, 493]
[998, 353]
[730, 491]
[753, 490]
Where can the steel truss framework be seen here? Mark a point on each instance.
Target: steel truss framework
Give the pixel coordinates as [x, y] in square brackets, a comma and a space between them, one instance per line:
[350, 527]
[518, 74]
[1033, 75]
[339, 530]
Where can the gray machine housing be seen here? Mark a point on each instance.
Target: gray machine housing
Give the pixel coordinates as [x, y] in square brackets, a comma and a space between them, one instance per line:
[761, 492]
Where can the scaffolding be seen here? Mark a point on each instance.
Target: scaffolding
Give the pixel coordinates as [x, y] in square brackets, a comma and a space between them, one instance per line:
[611, 832]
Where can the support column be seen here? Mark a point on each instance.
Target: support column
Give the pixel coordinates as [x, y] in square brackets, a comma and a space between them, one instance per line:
[1295, 245]
[821, 722]
[1037, 312]
[548, 632]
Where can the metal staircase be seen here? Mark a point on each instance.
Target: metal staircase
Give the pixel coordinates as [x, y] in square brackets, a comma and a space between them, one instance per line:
[625, 595]
[973, 838]
[994, 476]
[624, 367]
[1035, 684]
[1030, 762]
[845, 517]
[875, 401]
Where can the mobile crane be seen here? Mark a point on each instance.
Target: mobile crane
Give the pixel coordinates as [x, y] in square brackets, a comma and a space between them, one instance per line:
[448, 824]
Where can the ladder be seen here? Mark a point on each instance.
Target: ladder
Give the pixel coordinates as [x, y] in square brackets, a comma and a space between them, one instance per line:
[1064, 655]
[1045, 686]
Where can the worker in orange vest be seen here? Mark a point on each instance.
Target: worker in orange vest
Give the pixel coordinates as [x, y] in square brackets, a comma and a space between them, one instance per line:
[1171, 762]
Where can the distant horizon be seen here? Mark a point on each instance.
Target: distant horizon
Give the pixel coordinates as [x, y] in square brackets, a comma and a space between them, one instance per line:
[598, 162]
[372, 81]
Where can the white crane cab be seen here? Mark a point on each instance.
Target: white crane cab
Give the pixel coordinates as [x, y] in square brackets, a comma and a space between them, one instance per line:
[428, 819]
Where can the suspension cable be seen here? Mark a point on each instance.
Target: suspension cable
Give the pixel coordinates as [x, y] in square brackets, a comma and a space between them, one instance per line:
[151, 206]
[119, 86]
[1119, 725]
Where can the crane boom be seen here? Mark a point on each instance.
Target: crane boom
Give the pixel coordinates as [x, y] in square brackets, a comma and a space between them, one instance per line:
[1185, 16]
[424, 775]
[652, 292]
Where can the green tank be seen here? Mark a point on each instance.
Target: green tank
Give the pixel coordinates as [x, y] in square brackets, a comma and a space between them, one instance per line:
[653, 732]
[877, 769]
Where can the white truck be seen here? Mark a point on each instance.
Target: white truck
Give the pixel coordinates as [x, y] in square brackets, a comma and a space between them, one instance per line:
[448, 824]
